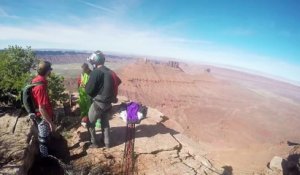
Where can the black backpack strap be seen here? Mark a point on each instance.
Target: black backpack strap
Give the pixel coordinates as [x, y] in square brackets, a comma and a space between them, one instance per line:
[36, 84]
[39, 83]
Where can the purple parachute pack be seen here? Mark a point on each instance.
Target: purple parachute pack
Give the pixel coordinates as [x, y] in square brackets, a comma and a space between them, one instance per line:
[133, 112]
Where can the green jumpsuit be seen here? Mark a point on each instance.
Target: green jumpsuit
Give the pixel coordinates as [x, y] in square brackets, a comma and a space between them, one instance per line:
[84, 100]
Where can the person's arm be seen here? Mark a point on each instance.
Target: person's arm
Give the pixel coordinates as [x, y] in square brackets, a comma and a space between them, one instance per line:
[42, 102]
[79, 81]
[46, 117]
[91, 87]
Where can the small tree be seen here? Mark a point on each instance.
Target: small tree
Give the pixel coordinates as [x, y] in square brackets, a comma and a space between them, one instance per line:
[56, 89]
[16, 66]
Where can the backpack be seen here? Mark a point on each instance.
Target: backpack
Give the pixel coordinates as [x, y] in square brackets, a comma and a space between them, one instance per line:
[27, 99]
[133, 112]
[117, 82]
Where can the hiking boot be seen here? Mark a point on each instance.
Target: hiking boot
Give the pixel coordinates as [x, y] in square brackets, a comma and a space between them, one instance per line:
[103, 144]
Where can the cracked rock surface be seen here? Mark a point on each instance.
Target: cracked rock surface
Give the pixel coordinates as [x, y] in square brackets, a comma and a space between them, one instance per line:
[17, 150]
[158, 149]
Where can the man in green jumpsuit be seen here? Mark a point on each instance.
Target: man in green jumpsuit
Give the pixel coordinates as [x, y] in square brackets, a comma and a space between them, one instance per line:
[84, 99]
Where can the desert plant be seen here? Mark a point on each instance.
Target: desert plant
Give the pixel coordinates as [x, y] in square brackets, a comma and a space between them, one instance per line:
[16, 70]
[56, 89]
[15, 66]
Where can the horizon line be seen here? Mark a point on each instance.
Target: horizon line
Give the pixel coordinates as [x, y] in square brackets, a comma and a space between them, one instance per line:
[164, 58]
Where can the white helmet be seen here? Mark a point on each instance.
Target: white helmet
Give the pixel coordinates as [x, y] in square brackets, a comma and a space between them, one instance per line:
[96, 58]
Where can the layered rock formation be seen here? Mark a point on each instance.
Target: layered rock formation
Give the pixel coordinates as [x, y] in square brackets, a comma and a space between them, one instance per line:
[228, 119]
[70, 57]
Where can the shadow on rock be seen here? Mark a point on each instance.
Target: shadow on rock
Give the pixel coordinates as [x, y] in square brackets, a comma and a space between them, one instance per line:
[118, 133]
[46, 166]
[227, 170]
[82, 153]
[58, 147]
[291, 166]
[292, 143]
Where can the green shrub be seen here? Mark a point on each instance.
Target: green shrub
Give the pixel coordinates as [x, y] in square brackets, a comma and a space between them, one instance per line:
[56, 89]
[17, 68]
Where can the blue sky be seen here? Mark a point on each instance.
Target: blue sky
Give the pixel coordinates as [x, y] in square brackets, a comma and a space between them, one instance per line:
[259, 35]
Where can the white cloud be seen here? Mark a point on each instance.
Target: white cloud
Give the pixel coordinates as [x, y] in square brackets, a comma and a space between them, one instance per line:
[4, 14]
[108, 35]
[97, 6]
[99, 34]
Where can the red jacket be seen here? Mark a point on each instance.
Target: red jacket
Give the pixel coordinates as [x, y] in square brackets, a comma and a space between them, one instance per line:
[40, 95]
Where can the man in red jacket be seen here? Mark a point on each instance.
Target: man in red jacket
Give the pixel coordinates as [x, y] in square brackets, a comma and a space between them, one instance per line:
[42, 102]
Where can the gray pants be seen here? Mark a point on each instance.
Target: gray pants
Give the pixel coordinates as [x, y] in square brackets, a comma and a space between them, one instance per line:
[99, 110]
[43, 137]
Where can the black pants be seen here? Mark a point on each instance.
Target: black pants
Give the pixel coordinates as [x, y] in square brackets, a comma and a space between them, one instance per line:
[43, 137]
[99, 111]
